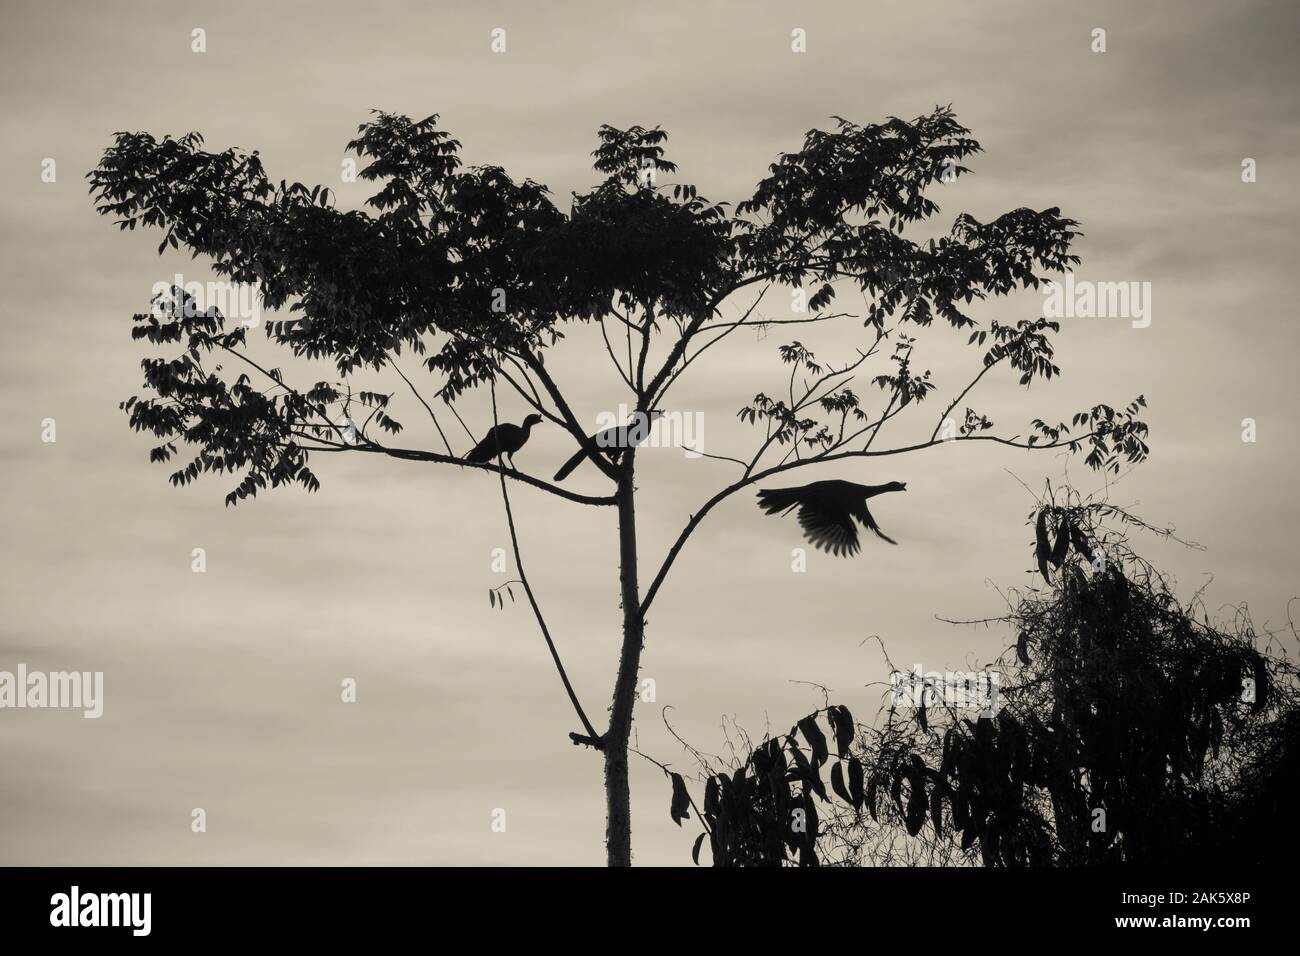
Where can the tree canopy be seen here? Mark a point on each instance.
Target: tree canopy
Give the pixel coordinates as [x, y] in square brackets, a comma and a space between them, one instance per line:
[478, 274]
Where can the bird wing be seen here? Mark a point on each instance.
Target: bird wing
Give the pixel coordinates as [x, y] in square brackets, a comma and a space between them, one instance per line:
[485, 450]
[507, 437]
[776, 500]
[862, 514]
[829, 528]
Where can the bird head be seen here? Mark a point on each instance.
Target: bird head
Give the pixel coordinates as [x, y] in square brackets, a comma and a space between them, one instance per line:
[533, 419]
[896, 486]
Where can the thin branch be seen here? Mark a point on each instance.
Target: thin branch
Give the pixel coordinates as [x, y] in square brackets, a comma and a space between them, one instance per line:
[628, 334]
[704, 454]
[570, 421]
[452, 408]
[890, 412]
[646, 329]
[279, 382]
[614, 358]
[528, 590]
[532, 396]
[427, 407]
[816, 318]
[671, 371]
[748, 480]
[411, 454]
[962, 394]
[668, 773]
[808, 398]
[534, 400]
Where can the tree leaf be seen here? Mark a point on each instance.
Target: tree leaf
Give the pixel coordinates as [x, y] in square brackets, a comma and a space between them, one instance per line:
[916, 803]
[1081, 544]
[680, 809]
[1041, 546]
[837, 783]
[856, 794]
[842, 723]
[1062, 543]
[807, 772]
[813, 734]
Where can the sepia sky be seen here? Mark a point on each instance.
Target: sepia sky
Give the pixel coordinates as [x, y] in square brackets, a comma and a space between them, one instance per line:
[222, 688]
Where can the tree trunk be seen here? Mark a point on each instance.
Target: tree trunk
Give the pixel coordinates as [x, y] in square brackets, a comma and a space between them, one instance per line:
[618, 801]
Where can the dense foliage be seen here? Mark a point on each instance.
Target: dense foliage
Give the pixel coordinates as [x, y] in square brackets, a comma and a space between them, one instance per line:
[1129, 730]
[478, 273]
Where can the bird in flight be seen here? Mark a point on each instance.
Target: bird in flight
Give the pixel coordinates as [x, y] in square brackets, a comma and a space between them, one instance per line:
[505, 438]
[612, 441]
[827, 510]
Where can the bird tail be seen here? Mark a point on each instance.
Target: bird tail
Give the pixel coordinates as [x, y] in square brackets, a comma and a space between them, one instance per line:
[567, 468]
[777, 500]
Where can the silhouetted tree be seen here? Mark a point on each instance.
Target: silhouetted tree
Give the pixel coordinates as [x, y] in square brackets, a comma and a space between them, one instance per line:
[480, 274]
[1127, 729]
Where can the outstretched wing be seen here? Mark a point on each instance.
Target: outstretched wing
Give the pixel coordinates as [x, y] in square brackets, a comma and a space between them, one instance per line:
[828, 528]
[778, 500]
[862, 514]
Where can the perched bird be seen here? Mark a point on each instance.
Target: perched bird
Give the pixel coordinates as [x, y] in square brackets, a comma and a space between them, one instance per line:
[612, 441]
[505, 438]
[827, 510]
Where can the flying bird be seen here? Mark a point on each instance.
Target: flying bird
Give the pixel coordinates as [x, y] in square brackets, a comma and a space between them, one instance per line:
[827, 510]
[611, 441]
[505, 438]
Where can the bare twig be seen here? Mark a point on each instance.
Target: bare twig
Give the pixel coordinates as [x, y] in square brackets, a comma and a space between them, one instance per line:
[528, 590]
[426, 405]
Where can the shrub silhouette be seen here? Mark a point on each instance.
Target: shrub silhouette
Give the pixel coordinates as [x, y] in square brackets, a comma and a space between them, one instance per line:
[1129, 729]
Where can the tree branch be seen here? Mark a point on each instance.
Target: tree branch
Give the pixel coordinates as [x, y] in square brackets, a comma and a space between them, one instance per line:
[411, 454]
[427, 408]
[528, 590]
[745, 482]
[669, 373]
[614, 358]
[570, 421]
